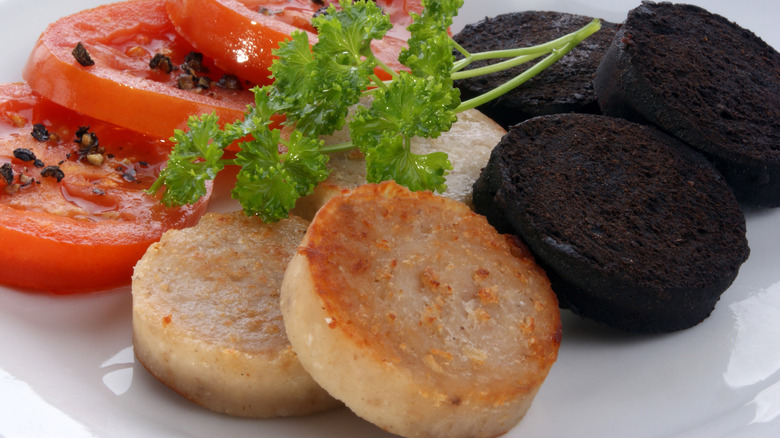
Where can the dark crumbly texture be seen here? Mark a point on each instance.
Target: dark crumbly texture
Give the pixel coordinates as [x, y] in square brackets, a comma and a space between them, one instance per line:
[635, 229]
[567, 86]
[706, 81]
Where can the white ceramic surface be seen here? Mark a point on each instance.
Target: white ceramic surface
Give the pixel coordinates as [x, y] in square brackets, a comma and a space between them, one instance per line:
[67, 368]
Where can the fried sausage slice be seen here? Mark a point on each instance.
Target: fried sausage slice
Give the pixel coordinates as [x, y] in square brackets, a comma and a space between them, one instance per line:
[206, 317]
[418, 315]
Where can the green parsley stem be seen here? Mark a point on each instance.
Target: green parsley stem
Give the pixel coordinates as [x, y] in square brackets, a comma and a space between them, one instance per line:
[537, 50]
[517, 80]
[386, 68]
[379, 84]
[571, 41]
[503, 65]
[337, 147]
[461, 49]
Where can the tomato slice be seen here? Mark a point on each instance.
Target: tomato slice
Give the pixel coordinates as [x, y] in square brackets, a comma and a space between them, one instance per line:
[240, 34]
[121, 87]
[86, 231]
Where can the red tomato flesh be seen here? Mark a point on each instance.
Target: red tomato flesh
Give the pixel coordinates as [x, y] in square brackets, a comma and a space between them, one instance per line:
[121, 87]
[241, 34]
[87, 231]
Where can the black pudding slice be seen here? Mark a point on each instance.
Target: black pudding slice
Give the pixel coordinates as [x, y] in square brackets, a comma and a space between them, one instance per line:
[705, 80]
[566, 86]
[635, 229]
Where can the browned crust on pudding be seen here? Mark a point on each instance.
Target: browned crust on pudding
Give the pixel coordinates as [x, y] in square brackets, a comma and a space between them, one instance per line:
[418, 315]
[206, 317]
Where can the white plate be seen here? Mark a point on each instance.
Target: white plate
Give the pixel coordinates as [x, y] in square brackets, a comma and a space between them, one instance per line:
[67, 368]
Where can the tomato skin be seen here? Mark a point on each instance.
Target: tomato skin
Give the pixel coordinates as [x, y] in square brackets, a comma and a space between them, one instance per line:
[87, 231]
[241, 38]
[228, 27]
[33, 259]
[121, 87]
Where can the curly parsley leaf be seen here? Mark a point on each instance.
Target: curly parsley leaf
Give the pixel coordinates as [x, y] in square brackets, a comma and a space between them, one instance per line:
[258, 117]
[266, 193]
[270, 182]
[293, 66]
[305, 162]
[347, 33]
[318, 86]
[409, 107]
[420, 103]
[195, 159]
[393, 159]
[430, 47]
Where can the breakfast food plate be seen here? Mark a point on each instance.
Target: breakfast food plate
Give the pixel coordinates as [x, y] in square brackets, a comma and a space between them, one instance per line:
[67, 367]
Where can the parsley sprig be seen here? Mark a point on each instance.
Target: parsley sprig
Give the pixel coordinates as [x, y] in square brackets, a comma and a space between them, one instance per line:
[313, 90]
